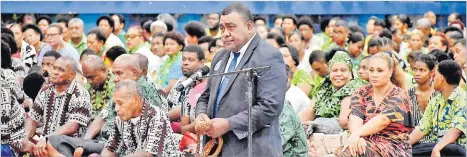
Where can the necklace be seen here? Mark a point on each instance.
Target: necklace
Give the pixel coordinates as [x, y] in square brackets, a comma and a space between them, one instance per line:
[99, 102]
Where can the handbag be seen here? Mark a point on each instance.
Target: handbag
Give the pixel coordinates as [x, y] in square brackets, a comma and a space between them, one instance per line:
[327, 144]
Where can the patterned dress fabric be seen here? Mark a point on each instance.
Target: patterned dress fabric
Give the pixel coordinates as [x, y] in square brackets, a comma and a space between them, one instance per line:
[177, 98]
[108, 114]
[392, 140]
[328, 98]
[56, 109]
[150, 132]
[12, 121]
[28, 54]
[9, 81]
[417, 114]
[19, 67]
[152, 93]
[294, 141]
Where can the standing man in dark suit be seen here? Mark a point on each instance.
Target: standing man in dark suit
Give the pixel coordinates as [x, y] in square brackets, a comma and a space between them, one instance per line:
[224, 102]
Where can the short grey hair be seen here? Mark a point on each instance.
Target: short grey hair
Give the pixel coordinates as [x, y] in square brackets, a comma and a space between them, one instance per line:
[429, 12]
[423, 22]
[72, 62]
[342, 23]
[77, 20]
[158, 24]
[129, 86]
[94, 61]
[142, 60]
[167, 18]
[334, 19]
[129, 61]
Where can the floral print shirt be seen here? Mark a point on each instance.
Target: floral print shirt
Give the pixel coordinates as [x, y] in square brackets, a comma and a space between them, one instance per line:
[442, 115]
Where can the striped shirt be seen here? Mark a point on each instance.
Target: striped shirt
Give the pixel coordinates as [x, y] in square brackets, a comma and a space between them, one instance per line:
[28, 54]
[417, 114]
[12, 120]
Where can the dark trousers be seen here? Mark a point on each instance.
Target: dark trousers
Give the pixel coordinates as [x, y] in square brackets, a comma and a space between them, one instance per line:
[66, 145]
[425, 149]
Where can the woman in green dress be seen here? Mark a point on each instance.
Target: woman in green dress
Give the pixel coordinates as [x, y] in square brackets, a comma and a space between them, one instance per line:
[333, 96]
[171, 70]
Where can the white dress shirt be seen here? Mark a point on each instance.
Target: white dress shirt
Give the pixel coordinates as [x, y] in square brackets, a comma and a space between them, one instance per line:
[297, 98]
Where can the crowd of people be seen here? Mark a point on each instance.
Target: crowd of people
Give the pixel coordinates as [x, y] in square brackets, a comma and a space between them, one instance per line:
[397, 89]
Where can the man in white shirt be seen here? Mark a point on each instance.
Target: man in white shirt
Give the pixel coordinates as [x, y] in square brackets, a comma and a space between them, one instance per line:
[55, 39]
[157, 48]
[106, 25]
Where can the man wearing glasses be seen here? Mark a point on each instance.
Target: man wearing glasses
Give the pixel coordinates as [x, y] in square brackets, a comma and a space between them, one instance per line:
[55, 39]
[135, 42]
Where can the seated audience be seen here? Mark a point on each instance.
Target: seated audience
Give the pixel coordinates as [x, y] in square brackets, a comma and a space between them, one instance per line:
[152, 135]
[444, 119]
[363, 68]
[320, 70]
[421, 95]
[48, 62]
[13, 117]
[171, 70]
[275, 39]
[178, 100]
[380, 117]
[301, 80]
[62, 108]
[293, 137]
[333, 96]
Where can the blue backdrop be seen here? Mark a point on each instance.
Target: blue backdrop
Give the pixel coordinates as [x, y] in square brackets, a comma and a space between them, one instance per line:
[89, 11]
[258, 7]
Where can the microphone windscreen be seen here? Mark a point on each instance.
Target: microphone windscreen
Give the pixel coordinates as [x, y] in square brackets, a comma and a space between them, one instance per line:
[204, 70]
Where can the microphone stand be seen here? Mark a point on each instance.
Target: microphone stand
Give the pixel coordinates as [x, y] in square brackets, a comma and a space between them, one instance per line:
[252, 76]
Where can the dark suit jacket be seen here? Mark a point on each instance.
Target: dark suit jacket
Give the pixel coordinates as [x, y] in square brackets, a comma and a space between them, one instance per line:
[268, 103]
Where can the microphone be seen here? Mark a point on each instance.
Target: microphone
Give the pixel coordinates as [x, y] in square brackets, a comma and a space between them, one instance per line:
[201, 72]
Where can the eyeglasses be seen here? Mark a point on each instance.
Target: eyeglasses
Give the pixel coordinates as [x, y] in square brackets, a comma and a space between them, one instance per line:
[50, 35]
[131, 36]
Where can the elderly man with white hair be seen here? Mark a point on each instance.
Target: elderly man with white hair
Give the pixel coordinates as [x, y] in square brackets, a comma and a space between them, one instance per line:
[424, 26]
[169, 20]
[141, 129]
[78, 39]
[158, 26]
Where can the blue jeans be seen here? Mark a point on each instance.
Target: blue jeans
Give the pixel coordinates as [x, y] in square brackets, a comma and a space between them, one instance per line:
[425, 149]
